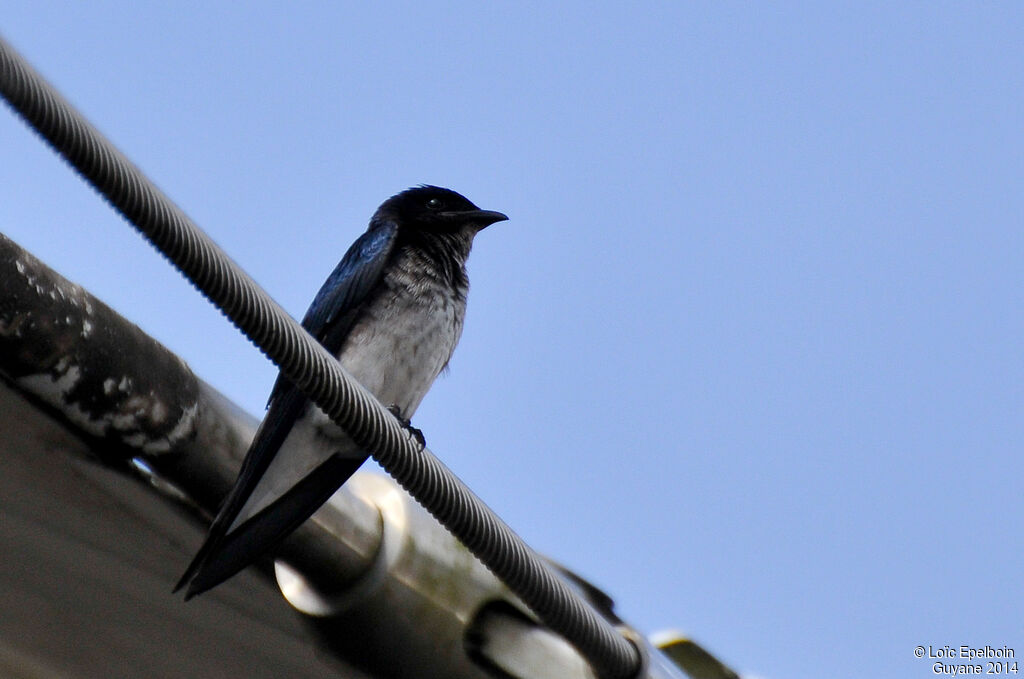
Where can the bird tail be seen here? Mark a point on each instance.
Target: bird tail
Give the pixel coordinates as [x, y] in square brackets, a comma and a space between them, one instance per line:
[224, 554]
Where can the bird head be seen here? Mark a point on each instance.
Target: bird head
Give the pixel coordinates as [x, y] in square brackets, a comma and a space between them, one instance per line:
[437, 210]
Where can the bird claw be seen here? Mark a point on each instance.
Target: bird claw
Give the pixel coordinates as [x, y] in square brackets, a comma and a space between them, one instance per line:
[407, 425]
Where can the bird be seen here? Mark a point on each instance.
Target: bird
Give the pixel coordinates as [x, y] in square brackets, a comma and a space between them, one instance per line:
[392, 312]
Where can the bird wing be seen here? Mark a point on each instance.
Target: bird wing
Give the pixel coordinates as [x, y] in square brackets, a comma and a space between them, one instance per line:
[229, 548]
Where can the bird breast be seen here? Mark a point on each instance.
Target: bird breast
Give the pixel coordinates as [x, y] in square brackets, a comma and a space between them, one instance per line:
[405, 337]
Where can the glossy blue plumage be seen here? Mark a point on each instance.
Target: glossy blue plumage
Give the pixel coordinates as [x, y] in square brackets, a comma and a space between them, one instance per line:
[392, 311]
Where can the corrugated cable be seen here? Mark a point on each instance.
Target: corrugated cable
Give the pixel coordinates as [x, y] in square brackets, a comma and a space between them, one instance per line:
[311, 368]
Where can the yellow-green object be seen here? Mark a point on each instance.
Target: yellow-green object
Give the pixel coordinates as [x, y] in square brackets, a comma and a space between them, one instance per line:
[690, 657]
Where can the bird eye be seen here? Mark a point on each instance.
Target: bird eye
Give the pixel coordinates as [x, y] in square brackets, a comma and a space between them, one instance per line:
[434, 203]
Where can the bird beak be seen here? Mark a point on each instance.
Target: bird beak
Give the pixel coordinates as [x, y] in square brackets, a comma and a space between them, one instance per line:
[482, 217]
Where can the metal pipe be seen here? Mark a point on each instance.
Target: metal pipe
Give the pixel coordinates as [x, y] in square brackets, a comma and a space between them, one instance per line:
[383, 583]
[132, 399]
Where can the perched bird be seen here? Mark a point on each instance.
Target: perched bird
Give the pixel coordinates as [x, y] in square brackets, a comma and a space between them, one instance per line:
[392, 313]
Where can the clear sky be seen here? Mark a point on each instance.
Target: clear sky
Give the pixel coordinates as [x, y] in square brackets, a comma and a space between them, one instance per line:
[748, 354]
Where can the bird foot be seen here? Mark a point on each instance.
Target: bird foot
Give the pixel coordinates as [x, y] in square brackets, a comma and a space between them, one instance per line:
[407, 425]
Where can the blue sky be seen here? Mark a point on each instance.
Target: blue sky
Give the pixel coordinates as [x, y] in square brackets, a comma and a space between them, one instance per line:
[748, 352]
